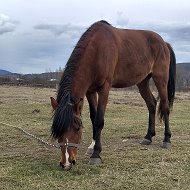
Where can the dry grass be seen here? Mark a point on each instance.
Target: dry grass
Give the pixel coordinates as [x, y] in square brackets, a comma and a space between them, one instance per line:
[27, 164]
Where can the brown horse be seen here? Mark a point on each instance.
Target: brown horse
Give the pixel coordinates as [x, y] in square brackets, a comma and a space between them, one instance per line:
[106, 57]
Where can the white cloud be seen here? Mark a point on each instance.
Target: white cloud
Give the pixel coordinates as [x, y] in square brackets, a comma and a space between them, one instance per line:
[7, 24]
[35, 52]
[59, 29]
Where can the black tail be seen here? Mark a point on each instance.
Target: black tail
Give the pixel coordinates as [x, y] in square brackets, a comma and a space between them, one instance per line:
[172, 77]
[171, 81]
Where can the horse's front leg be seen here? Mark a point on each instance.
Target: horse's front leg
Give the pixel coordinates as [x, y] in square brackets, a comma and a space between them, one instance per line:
[92, 100]
[99, 123]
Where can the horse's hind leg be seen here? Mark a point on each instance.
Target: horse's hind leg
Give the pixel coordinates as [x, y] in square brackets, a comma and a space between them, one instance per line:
[164, 110]
[151, 105]
[92, 100]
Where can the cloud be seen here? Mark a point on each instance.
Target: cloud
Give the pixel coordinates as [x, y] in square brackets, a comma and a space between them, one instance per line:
[180, 32]
[7, 24]
[174, 31]
[45, 47]
[121, 20]
[35, 52]
[58, 29]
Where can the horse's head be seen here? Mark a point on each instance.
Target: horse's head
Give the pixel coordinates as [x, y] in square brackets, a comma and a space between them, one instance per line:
[70, 137]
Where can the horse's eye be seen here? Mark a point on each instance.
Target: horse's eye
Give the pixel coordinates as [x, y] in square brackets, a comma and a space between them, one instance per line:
[80, 122]
[77, 129]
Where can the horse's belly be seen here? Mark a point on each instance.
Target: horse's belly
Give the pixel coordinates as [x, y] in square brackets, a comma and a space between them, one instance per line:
[123, 84]
[125, 79]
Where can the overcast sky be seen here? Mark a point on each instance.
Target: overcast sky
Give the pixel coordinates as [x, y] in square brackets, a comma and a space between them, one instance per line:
[38, 35]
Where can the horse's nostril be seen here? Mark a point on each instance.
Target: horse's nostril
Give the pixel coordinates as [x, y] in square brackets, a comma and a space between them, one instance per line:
[74, 162]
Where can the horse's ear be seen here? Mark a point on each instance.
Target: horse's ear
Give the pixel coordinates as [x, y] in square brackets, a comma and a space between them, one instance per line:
[54, 103]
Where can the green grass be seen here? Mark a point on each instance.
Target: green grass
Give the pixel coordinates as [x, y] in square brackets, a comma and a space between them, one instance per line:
[27, 164]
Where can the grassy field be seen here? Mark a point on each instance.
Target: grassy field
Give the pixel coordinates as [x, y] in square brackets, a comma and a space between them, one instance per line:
[27, 164]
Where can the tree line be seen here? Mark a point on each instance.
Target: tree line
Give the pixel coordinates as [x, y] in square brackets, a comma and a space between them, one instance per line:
[51, 79]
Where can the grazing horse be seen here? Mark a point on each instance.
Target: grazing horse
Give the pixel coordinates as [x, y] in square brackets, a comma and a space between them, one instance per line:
[106, 57]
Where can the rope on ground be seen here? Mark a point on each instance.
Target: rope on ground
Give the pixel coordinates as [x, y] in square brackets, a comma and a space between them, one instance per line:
[31, 135]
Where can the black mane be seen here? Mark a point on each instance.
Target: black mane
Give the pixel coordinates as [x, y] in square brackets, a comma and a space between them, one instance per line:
[105, 22]
[63, 116]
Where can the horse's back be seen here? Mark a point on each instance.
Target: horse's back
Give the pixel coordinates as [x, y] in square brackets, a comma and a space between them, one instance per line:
[138, 51]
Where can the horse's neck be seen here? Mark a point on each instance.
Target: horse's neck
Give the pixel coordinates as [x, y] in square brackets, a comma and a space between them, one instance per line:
[80, 83]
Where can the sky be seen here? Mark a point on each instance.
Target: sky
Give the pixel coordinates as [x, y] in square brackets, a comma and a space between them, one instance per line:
[38, 36]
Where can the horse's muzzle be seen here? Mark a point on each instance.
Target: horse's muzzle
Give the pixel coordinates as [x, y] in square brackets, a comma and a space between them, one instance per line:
[68, 166]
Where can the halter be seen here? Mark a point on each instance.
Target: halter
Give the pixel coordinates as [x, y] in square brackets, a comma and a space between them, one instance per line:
[67, 144]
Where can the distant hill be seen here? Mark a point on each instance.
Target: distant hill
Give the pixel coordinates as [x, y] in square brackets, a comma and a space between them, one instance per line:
[183, 73]
[184, 67]
[5, 73]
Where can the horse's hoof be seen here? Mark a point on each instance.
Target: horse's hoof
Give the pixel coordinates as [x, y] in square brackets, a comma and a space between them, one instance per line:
[145, 142]
[95, 161]
[166, 145]
[89, 151]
